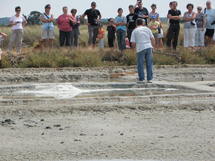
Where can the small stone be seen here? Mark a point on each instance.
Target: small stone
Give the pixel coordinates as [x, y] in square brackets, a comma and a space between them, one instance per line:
[121, 134]
[42, 120]
[61, 142]
[77, 140]
[43, 133]
[82, 134]
[57, 125]
[60, 129]
[48, 127]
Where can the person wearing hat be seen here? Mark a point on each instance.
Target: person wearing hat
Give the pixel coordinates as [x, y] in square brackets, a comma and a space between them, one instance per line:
[47, 20]
[143, 40]
[93, 16]
[17, 22]
[154, 25]
[200, 32]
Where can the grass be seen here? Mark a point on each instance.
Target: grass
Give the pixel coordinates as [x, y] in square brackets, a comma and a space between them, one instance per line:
[87, 57]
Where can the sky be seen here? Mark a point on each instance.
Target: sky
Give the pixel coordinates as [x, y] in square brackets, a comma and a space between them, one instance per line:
[108, 8]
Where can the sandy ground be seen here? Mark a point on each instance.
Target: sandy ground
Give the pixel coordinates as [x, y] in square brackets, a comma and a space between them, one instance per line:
[151, 124]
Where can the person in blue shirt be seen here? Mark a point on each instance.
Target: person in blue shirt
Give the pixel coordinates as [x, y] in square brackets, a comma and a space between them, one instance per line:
[47, 20]
[120, 22]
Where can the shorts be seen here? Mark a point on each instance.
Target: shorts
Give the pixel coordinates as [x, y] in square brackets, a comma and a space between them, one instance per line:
[48, 34]
[160, 35]
[209, 33]
[155, 35]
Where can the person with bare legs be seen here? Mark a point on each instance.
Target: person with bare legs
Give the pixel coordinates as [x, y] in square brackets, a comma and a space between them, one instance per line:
[210, 23]
[47, 27]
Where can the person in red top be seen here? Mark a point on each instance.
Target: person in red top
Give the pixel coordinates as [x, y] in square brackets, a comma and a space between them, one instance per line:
[64, 22]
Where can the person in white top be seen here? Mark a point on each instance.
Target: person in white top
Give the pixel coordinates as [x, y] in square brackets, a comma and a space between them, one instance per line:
[143, 40]
[17, 22]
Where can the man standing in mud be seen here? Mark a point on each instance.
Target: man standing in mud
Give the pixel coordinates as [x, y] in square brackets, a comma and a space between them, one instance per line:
[143, 40]
[94, 17]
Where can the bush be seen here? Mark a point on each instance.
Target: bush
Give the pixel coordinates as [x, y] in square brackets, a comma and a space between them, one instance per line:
[190, 57]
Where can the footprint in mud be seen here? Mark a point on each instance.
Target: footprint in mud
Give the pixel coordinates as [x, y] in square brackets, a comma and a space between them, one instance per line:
[7, 122]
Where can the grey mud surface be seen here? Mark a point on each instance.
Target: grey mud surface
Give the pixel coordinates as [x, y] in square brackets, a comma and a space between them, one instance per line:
[103, 114]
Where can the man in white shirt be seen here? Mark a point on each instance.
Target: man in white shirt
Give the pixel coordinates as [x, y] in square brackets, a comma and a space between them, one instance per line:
[17, 22]
[143, 39]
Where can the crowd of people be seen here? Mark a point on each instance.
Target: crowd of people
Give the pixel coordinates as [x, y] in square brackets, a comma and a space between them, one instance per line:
[140, 28]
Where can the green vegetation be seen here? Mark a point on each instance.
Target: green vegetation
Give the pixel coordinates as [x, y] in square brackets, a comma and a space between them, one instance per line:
[86, 57]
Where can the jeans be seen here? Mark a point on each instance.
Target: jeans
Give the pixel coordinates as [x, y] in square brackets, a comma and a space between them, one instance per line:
[75, 37]
[200, 37]
[141, 57]
[121, 34]
[172, 35]
[65, 38]
[16, 40]
[93, 32]
[189, 37]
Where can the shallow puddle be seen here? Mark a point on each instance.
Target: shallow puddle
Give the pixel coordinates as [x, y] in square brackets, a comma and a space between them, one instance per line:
[86, 90]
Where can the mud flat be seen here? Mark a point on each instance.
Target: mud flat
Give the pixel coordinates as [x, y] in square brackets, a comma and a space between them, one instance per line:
[104, 114]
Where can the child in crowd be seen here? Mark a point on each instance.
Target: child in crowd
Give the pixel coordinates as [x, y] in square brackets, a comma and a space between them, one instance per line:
[160, 35]
[111, 29]
[2, 37]
[121, 29]
[101, 36]
[154, 25]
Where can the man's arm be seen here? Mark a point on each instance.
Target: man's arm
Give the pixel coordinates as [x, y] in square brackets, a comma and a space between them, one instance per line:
[169, 16]
[133, 42]
[3, 34]
[133, 45]
[85, 14]
[42, 19]
[11, 23]
[191, 18]
[153, 41]
[152, 38]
